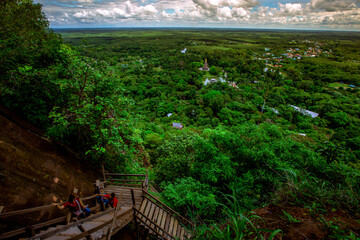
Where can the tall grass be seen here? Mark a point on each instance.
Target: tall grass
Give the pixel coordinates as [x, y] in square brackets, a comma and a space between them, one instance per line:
[238, 225]
[304, 188]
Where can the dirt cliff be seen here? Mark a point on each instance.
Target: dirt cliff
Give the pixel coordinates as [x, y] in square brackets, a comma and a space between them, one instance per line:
[35, 171]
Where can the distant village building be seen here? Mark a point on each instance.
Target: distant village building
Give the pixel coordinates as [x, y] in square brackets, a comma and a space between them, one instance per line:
[184, 50]
[206, 67]
[214, 80]
[305, 112]
[177, 125]
[220, 79]
[233, 84]
[274, 110]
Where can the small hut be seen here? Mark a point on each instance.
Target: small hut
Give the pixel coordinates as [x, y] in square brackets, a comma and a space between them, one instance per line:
[177, 125]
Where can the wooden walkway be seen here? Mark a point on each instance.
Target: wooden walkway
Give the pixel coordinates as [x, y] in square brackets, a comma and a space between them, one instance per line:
[96, 226]
[135, 204]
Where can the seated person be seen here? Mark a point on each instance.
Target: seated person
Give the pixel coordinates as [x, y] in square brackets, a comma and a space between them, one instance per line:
[75, 205]
[112, 199]
[101, 199]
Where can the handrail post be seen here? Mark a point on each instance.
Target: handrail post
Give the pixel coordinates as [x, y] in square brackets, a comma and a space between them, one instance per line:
[147, 181]
[134, 215]
[103, 171]
[132, 196]
[114, 219]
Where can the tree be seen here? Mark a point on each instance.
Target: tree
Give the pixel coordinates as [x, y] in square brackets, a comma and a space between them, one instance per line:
[215, 100]
[188, 192]
[29, 52]
[95, 119]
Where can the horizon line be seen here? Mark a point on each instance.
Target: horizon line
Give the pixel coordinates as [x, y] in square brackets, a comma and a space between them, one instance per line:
[232, 28]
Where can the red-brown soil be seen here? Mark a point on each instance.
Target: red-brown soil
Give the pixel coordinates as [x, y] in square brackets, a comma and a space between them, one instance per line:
[310, 224]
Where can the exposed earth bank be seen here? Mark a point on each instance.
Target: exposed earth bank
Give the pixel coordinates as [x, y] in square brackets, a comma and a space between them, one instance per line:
[35, 171]
[302, 223]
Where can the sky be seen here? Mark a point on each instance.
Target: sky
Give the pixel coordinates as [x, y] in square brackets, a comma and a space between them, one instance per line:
[268, 14]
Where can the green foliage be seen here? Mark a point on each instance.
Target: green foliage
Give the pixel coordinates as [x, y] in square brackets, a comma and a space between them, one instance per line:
[188, 194]
[96, 115]
[29, 53]
[307, 189]
[172, 163]
[214, 100]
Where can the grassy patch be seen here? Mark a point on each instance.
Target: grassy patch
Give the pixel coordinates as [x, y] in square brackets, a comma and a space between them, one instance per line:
[338, 85]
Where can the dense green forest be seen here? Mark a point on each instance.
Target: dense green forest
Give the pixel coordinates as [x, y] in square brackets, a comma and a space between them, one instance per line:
[112, 95]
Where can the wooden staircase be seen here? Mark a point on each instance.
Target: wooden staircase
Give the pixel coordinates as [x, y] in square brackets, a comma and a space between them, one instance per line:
[148, 211]
[135, 204]
[161, 220]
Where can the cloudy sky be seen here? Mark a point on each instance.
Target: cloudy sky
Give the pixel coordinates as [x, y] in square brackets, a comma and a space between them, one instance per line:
[281, 14]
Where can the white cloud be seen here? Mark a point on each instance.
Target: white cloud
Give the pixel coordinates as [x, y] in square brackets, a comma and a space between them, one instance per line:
[241, 13]
[214, 4]
[85, 1]
[104, 13]
[332, 5]
[224, 13]
[291, 8]
[235, 13]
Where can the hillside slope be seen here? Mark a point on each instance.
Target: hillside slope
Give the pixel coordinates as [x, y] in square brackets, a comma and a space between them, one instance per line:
[35, 171]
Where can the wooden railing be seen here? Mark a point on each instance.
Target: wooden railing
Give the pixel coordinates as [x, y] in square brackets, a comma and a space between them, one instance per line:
[82, 221]
[155, 187]
[166, 208]
[30, 229]
[127, 180]
[156, 229]
[161, 220]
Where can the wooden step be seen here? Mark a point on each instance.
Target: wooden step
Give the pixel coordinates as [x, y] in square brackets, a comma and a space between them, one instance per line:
[171, 225]
[181, 234]
[143, 205]
[167, 222]
[152, 216]
[155, 215]
[176, 225]
[151, 211]
[163, 221]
